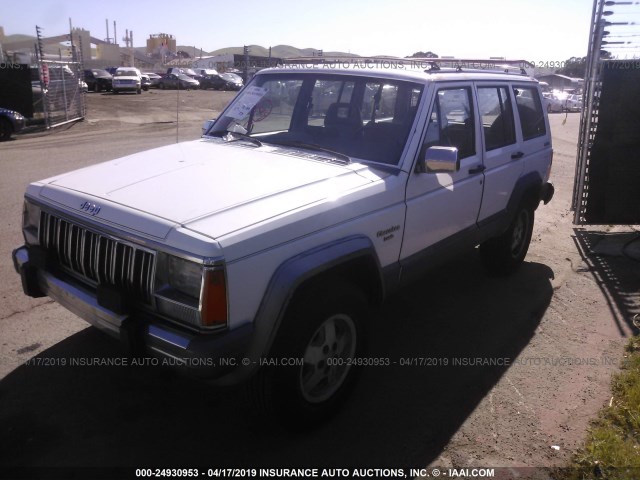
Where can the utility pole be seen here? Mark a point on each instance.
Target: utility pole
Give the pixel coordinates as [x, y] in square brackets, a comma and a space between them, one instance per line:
[246, 64]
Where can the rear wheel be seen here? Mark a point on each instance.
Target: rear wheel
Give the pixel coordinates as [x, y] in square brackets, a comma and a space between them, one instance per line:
[322, 333]
[504, 254]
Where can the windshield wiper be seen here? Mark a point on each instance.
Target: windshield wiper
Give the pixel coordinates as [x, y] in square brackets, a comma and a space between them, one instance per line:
[233, 136]
[315, 147]
[230, 136]
[236, 132]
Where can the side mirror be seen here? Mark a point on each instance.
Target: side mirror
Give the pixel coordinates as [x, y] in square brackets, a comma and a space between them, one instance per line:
[207, 125]
[440, 160]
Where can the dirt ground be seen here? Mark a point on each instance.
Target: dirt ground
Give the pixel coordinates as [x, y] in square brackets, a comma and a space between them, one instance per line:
[553, 333]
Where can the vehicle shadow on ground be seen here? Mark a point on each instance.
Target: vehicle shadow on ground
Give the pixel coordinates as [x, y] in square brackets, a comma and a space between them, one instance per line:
[614, 261]
[398, 416]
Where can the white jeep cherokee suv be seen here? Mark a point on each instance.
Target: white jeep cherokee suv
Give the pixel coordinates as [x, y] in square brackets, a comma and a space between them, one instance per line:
[253, 253]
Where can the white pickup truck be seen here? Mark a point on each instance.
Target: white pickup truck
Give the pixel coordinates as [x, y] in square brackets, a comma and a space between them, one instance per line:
[254, 253]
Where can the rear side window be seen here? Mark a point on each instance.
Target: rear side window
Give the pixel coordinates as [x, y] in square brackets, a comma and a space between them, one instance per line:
[494, 104]
[530, 112]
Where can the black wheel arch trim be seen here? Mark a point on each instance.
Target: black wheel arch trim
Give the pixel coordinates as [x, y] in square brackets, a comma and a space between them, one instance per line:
[529, 186]
[286, 281]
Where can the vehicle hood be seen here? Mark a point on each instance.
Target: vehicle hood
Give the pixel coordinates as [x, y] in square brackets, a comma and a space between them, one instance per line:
[185, 183]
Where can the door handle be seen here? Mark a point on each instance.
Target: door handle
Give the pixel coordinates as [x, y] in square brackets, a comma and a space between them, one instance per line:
[477, 169]
[517, 155]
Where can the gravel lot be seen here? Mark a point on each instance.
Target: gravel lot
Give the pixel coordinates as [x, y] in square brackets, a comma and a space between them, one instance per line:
[563, 304]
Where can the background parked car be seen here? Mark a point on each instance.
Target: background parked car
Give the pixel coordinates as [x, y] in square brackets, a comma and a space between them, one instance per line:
[179, 80]
[154, 79]
[127, 79]
[145, 81]
[205, 71]
[10, 122]
[98, 79]
[223, 81]
[573, 103]
[553, 102]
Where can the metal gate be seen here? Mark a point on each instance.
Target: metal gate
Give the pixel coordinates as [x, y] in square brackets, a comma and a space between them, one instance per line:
[607, 176]
[63, 94]
[62, 87]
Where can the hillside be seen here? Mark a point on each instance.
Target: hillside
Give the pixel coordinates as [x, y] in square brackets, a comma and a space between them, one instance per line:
[281, 51]
[18, 37]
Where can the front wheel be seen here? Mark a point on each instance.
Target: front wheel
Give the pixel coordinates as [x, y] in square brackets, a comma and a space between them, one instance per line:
[5, 129]
[504, 254]
[320, 340]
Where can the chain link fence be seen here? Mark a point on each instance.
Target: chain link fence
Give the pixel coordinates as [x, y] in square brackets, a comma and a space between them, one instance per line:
[62, 87]
[62, 92]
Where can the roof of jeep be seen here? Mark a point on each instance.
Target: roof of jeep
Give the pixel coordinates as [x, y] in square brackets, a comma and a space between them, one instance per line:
[400, 72]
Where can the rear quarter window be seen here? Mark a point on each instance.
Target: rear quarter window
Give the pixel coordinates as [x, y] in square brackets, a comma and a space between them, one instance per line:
[529, 105]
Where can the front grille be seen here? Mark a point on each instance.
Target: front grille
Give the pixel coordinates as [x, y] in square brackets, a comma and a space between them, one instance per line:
[98, 259]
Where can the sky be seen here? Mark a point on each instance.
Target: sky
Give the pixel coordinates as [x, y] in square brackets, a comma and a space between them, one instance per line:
[534, 30]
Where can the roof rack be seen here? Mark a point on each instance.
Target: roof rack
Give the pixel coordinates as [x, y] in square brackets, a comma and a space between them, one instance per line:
[461, 65]
[429, 65]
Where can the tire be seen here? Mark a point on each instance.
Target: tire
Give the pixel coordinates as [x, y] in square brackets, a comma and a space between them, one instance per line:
[503, 255]
[96, 88]
[139, 91]
[5, 129]
[323, 325]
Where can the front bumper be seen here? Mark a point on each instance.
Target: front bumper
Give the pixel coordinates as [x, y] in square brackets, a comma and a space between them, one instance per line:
[120, 87]
[209, 356]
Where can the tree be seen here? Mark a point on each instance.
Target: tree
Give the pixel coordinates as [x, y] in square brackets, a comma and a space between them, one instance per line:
[428, 54]
[573, 67]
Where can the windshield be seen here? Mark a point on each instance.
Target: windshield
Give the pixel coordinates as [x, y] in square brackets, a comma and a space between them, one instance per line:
[126, 73]
[102, 73]
[231, 77]
[363, 117]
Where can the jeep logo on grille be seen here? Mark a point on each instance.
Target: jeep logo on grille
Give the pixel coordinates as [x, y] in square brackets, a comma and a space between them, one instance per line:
[91, 208]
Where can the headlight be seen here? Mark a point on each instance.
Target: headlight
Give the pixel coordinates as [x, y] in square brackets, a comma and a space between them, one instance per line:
[30, 223]
[184, 276]
[191, 293]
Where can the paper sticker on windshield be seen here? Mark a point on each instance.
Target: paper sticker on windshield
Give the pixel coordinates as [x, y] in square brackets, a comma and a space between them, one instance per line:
[242, 106]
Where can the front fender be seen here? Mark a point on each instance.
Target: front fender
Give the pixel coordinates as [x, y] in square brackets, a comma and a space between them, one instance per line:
[284, 283]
